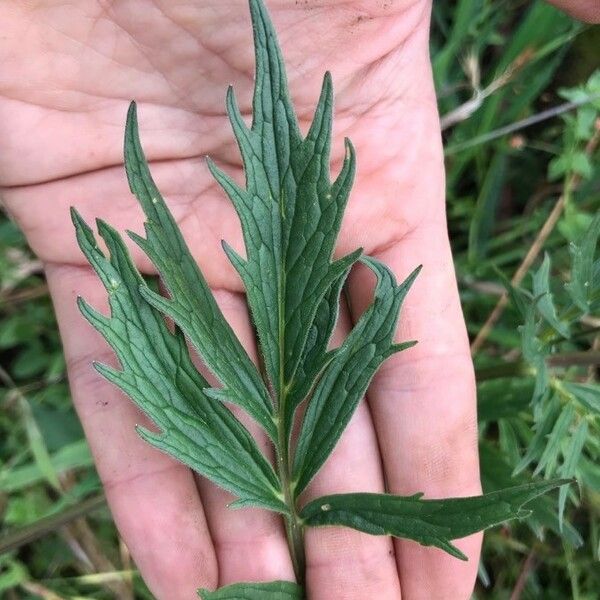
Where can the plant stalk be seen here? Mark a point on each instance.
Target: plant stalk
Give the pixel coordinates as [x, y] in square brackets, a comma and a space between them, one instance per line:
[293, 526]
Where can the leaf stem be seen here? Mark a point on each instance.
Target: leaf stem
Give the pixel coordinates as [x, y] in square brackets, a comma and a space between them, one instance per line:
[293, 527]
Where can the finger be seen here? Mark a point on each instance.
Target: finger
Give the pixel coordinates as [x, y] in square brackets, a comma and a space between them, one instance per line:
[153, 499]
[343, 563]
[250, 543]
[424, 408]
[586, 10]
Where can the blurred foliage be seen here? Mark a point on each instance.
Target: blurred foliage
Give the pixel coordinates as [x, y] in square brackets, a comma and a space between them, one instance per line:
[526, 189]
[519, 93]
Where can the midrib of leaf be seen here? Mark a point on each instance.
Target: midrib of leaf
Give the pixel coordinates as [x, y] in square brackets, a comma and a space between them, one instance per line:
[293, 527]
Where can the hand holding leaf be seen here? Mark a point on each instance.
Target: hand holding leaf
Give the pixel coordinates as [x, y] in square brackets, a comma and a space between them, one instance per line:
[290, 214]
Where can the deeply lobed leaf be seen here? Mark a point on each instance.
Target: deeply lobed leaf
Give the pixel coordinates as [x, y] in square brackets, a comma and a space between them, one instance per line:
[349, 373]
[192, 305]
[429, 522]
[159, 376]
[290, 214]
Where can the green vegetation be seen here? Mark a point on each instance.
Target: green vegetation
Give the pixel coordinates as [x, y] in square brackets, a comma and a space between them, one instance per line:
[521, 206]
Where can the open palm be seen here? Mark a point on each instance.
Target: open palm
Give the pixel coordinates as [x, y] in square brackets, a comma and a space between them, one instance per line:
[69, 72]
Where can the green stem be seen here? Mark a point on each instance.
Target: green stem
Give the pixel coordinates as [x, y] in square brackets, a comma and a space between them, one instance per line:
[293, 526]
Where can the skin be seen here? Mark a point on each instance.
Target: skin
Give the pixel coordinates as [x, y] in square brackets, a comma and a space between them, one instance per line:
[69, 71]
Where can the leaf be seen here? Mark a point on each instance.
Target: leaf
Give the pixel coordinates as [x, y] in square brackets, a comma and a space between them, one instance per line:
[551, 452]
[12, 574]
[581, 164]
[315, 355]
[484, 215]
[531, 346]
[429, 522]
[534, 353]
[37, 444]
[290, 214]
[582, 256]
[274, 590]
[538, 442]
[519, 298]
[72, 456]
[588, 394]
[496, 473]
[349, 373]
[568, 468]
[192, 305]
[545, 303]
[159, 376]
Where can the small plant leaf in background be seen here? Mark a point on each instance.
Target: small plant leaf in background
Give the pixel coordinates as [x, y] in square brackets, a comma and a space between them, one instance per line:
[545, 302]
[550, 455]
[569, 466]
[581, 285]
[587, 394]
[543, 427]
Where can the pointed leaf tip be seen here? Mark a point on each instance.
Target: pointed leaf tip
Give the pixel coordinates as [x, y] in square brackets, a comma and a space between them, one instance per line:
[429, 522]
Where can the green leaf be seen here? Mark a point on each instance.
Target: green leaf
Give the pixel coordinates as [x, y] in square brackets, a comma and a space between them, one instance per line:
[581, 164]
[496, 473]
[543, 429]
[72, 456]
[37, 444]
[545, 303]
[12, 574]
[551, 452]
[349, 373]
[429, 522]
[588, 394]
[568, 468]
[531, 346]
[582, 255]
[315, 355]
[519, 298]
[484, 216]
[192, 305]
[159, 376]
[274, 590]
[290, 214]
[534, 352]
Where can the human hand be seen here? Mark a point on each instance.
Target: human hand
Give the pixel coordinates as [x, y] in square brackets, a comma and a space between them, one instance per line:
[176, 60]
